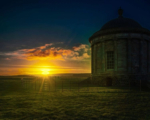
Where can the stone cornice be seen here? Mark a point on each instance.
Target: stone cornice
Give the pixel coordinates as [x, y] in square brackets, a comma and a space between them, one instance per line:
[120, 36]
[119, 30]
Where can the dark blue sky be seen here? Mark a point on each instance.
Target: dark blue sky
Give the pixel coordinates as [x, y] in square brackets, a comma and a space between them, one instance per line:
[32, 23]
[55, 33]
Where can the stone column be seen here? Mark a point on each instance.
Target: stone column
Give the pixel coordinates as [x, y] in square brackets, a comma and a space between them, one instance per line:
[148, 49]
[91, 59]
[129, 51]
[94, 59]
[148, 57]
[103, 56]
[115, 56]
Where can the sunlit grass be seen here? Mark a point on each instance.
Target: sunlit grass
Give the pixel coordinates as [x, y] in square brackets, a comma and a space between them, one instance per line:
[72, 103]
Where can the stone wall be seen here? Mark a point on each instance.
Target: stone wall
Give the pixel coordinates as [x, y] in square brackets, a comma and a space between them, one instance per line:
[99, 58]
[135, 55]
[131, 57]
[143, 57]
[119, 80]
[121, 55]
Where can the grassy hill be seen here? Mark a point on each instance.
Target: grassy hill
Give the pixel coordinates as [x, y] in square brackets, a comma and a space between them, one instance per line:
[66, 99]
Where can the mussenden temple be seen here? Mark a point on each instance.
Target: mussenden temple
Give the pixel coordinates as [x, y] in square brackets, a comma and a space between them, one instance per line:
[120, 53]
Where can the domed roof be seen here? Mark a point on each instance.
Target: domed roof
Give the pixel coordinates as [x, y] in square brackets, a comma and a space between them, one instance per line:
[121, 22]
[120, 25]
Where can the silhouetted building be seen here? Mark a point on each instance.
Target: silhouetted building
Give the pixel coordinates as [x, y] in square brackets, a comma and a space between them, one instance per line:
[120, 52]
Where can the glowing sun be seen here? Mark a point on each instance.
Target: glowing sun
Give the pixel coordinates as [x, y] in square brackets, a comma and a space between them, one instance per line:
[45, 71]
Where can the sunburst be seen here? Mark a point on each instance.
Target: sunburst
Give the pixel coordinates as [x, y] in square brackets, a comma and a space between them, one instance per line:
[45, 71]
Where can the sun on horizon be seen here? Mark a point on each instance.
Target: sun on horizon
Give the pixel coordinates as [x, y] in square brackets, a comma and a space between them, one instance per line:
[45, 71]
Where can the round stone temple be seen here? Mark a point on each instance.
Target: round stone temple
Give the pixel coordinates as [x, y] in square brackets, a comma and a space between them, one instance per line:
[120, 53]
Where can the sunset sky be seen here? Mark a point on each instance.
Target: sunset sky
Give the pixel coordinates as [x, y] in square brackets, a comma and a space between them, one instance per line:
[39, 35]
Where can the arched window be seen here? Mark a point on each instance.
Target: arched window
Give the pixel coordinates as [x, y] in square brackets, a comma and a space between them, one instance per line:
[110, 59]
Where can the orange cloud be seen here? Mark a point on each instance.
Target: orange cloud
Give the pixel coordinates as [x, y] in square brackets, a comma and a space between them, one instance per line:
[82, 46]
[7, 59]
[46, 45]
[85, 55]
[50, 52]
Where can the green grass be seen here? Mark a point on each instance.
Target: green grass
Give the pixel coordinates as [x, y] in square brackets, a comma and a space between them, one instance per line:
[98, 103]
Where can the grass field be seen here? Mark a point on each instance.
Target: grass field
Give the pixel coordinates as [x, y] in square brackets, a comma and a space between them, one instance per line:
[69, 100]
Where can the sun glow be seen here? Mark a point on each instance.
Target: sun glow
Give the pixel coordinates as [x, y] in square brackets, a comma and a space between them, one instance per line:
[45, 71]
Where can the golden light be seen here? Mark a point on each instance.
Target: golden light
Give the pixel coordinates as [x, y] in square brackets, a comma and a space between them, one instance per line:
[45, 71]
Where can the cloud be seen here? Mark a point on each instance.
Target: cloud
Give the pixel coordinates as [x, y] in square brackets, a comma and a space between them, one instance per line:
[7, 59]
[85, 55]
[50, 52]
[82, 46]
[46, 45]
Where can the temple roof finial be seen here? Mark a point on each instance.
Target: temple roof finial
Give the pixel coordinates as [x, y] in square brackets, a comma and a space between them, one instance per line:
[120, 12]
